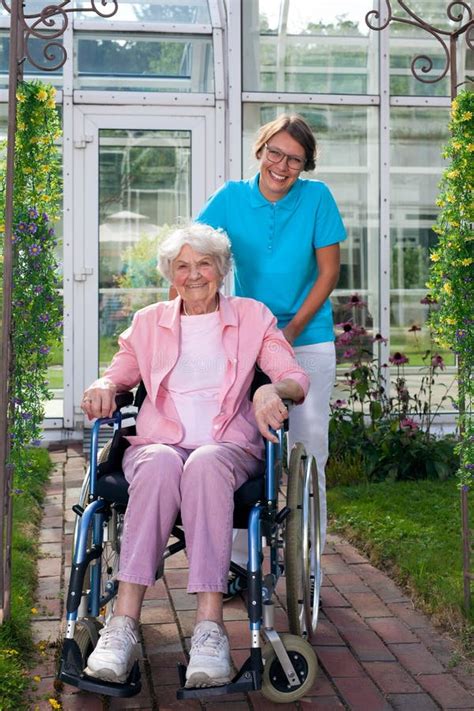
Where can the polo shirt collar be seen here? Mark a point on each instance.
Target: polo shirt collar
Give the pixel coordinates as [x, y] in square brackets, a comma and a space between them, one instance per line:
[289, 202]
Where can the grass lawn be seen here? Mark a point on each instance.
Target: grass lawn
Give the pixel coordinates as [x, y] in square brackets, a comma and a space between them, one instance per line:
[413, 530]
[16, 645]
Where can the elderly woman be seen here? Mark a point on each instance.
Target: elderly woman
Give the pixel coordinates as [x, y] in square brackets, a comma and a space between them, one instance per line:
[199, 438]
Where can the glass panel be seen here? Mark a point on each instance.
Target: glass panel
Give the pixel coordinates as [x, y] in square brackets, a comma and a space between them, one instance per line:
[408, 42]
[173, 11]
[348, 163]
[36, 49]
[315, 48]
[144, 186]
[417, 138]
[143, 63]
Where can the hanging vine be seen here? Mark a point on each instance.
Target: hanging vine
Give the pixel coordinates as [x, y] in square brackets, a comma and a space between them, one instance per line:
[36, 302]
[452, 271]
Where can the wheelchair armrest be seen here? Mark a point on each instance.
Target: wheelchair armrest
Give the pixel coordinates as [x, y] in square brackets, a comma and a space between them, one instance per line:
[123, 400]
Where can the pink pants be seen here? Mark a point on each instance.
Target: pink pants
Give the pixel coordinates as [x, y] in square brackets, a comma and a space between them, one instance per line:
[165, 479]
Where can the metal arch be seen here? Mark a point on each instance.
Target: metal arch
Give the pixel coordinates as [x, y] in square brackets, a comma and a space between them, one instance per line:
[373, 20]
[49, 25]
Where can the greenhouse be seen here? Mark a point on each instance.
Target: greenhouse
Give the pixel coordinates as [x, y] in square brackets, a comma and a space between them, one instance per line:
[160, 105]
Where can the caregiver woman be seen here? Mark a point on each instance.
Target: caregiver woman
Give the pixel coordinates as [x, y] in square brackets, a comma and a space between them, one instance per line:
[285, 233]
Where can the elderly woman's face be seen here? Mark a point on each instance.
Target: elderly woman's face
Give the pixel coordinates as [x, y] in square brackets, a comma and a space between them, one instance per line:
[195, 277]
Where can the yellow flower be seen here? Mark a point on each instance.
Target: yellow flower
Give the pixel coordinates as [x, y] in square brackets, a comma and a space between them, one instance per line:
[51, 103]
[450, 198]
[435, 257]
[447, 288]
[453, 174]
[451, 321]
[37, 678]
[470, 147]
[54, 704]
[467, 262]
[454, 223]
[42, 95]
[457, 145]
[466, 116]
[20, 97]
[34, 611]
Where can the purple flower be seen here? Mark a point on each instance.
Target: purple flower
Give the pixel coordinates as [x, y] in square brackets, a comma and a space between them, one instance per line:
[18, 491]
[32, 213]
[356, 302]
[349, 353]
[32, 228]
[26, 415]
[43, 318]
[38, 289]
[345, 338]
[22, 226]
[34, 250]
[51, 232]
[460, 334]
[469, 466]
[378, 338]
[408, 424]
[59, 324]
[398, 358]
[45, 217]
[346, 326]
[36, 443]
[438, 362]
[44, 350]
[428, 299]
[339, 403]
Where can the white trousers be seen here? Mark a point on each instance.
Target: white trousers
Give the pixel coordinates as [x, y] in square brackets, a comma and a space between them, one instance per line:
[309, 425]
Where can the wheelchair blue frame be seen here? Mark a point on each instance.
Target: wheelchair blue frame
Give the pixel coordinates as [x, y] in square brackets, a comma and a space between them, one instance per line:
[264, 520]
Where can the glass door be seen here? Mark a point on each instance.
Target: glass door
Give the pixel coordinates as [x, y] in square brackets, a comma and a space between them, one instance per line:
[142, 176]
[144, 189]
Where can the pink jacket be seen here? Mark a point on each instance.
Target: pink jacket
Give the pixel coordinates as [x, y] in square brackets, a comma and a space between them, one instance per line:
[150, 347]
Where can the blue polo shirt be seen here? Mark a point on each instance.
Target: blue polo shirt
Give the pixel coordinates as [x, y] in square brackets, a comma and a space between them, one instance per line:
[274, 245]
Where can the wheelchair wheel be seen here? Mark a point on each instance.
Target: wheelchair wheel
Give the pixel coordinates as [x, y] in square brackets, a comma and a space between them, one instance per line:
[275, 685]
[302, 544]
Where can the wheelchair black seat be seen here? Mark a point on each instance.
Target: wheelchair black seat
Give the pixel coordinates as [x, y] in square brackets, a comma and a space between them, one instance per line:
[113, 487]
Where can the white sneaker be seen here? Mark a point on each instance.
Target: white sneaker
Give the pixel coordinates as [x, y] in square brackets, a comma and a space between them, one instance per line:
[209, 663]
[116, 650]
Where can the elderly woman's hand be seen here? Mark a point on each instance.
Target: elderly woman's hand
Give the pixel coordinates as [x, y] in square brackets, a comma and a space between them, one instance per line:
[269, 410]
[99, 399]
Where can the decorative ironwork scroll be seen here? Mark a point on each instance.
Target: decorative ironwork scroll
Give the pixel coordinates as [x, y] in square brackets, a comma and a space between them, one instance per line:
[422, 65]
[49, 25]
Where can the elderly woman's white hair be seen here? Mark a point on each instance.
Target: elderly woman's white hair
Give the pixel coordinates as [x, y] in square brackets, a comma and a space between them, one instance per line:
[203, 239]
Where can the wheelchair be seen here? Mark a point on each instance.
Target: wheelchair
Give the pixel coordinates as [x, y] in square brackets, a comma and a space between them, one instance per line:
[283, 666]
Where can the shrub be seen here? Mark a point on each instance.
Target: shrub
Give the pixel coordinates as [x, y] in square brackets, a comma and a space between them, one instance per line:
[374, 435]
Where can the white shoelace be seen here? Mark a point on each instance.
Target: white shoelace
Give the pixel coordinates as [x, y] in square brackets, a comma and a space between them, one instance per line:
[210, 642]
[117, 637]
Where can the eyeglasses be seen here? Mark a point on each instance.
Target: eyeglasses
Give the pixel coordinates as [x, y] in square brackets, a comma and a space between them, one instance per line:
[274, 155]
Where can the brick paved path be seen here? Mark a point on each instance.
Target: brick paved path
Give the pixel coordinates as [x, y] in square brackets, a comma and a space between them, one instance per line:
[375, 651]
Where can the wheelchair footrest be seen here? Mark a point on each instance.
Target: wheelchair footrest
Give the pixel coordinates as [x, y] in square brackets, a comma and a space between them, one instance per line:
[247, 679]
[71, 672]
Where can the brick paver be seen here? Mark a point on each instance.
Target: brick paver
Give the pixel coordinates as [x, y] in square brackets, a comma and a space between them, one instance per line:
[376, 652]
